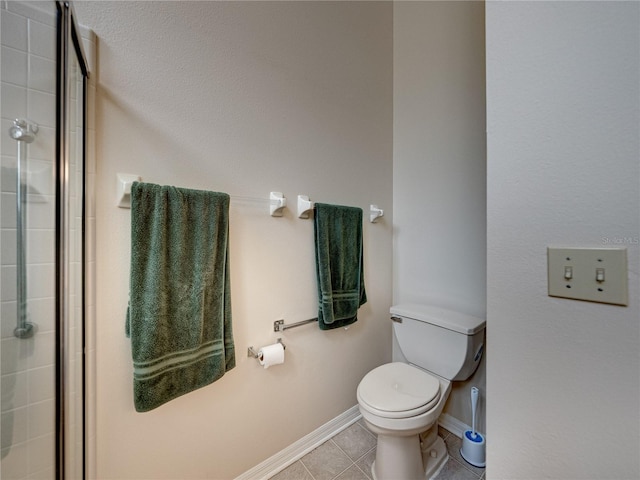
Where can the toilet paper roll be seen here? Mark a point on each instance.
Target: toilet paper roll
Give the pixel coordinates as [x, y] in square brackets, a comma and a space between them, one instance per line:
[271, 355]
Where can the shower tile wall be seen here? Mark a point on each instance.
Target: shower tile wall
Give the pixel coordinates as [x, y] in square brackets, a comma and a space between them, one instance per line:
[27, 365]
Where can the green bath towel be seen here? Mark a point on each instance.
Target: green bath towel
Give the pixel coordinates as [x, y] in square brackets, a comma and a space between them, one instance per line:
[339, 264]
[179, 315]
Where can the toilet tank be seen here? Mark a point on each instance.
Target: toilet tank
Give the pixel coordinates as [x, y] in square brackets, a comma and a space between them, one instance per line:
[444, 342]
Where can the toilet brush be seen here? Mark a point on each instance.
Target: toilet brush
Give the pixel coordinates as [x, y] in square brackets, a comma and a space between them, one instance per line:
[474, 407]
[473, 444]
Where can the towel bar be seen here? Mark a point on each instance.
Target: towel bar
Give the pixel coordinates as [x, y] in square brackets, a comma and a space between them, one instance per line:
[279, 326]
[277, 201]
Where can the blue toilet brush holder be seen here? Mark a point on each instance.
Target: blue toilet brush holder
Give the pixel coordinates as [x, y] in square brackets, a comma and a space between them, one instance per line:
[473, 448]
[473, 445]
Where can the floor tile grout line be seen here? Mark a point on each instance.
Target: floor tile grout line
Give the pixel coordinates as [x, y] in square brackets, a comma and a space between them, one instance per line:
[375, 438]
[462, 464]
[445, 436]
[372, 449]
[360, 468]
[338, 474]
[349, 456]
[467, 467]
[334, 478]
[364, 427]
[346, 455]
[366, 430]
[305, 467]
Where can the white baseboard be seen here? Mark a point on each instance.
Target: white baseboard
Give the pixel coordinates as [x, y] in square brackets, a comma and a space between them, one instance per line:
[299, 449]
[454, 425]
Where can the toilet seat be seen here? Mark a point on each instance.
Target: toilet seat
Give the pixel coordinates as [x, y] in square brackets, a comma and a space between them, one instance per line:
[398, 390]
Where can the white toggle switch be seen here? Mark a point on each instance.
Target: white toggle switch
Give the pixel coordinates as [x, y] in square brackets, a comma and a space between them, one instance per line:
[568, 273]
[571, 274]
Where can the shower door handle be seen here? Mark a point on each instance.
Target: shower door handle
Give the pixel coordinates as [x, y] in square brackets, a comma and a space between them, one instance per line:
[23, 132]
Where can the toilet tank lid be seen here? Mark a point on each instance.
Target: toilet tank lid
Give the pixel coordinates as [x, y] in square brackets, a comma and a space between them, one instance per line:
[442, 317]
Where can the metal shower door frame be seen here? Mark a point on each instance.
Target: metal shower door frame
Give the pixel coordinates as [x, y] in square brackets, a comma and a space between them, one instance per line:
[68, 43]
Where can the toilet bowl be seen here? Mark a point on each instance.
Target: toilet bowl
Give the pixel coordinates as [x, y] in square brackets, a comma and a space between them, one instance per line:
[401, 401]
[401, 404]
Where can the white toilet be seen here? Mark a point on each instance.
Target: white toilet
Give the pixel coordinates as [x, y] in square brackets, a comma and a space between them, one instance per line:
[401, 402]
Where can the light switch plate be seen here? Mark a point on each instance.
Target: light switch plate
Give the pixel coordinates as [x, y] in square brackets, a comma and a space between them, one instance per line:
[574, 272]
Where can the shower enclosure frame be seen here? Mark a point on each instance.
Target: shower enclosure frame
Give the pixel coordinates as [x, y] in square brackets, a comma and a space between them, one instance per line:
[47, 410]
[68, 43]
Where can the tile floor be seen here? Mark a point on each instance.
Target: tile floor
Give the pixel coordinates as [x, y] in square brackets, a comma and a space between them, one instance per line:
[350, 453]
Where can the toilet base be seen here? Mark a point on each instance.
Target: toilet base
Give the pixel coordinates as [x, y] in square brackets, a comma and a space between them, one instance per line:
[409, 458]
[435, 458]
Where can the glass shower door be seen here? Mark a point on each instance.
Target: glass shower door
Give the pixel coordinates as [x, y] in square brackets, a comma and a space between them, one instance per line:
[41, 242]
[27, 240]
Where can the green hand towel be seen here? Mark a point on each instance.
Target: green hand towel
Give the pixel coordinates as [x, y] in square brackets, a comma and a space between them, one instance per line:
[339, 264]
[179, 315]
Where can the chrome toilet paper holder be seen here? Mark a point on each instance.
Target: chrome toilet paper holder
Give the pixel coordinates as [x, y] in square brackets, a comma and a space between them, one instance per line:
[252, 353]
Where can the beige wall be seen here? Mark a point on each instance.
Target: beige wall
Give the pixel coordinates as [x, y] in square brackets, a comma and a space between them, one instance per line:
[563, 115]
[243, 98]
[253, 97]
[439, 166]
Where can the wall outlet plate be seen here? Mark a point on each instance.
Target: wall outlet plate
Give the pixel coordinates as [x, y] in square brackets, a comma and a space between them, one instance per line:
[591, 274]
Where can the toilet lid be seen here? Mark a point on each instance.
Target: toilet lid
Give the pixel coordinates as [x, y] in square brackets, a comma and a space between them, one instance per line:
[398, 390]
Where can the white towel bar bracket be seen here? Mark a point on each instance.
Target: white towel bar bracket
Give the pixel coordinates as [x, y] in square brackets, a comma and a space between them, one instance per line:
[305, 206]
[125, 180]
[277, 202]
[375, 213]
